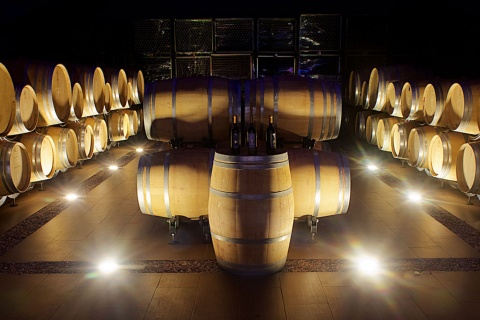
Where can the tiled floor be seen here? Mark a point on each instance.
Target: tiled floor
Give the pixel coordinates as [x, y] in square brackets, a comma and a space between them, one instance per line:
[50, 247]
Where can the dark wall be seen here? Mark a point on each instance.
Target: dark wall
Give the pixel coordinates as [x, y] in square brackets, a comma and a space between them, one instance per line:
[439, 34]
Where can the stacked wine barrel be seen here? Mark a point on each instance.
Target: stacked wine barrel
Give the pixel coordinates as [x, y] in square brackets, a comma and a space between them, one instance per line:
[251, 201]
[54, 116]
[431, 123]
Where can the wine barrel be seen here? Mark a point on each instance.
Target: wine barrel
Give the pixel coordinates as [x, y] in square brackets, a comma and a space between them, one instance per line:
[251, 211]
[468, 168]
[191, 108]
[419, 143]
[384, 130]
[381, 76]
[399, 138]
[301, 107]
[353, 94]
[320, 181]
[443, 152]
[434, 97]
[52, 85]
[78, 103]
[462, 107]
[26, 116]
[8, 107]
[411, 100]
[393, 100]
[371, 125]
[175, 182]
[132, 120]
[100, 132]
[119, 87]
[41, 150]
[129, 94]
[66, 147]
[92, 80]
[15, 167]
[85, 139]
[136, 78]
[118, 124]
[360, 122]
[107, 91]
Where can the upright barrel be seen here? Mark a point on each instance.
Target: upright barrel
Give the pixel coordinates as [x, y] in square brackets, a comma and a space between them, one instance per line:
[251, 211]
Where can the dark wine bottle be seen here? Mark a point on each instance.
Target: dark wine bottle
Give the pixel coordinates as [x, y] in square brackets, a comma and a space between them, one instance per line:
[271, 137]
[235, 137]
[252, 138]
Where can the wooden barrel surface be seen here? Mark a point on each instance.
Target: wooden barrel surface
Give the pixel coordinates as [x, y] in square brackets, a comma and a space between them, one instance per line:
[418, 144]
[191, 108]
[85, 139]
[119, 87]
[434, 97]
[26, 115]
[371, 125]
[7, 101]
[92, 80]
[301, 107]
[321, 182]
[54, 91]
[462, 107]
[360, 123]
[411, 100]
[251, 211]
[384, 130]
[399, 138]
[381, 76]
[41, 149]
[100, 132]
[443, 152]
[66, 147]
[15, 167]
[468, 168]
[118, 124]
[175, 182]
[78, 103]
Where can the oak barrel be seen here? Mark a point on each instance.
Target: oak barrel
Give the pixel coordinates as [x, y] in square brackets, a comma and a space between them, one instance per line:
[468, 167]
[15, 167]
[191, 108]
[66, 147]
[175, 182]
[320, 181]
[301, 107]
[419, 143]
[251, 211]
[41, 149]
[443, 152]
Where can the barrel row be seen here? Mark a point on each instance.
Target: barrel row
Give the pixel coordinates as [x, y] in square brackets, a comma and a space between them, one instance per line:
[202, 108]
[415, 94]
[39, 155]
[177, 182]
[440, 152]
[39, 94]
